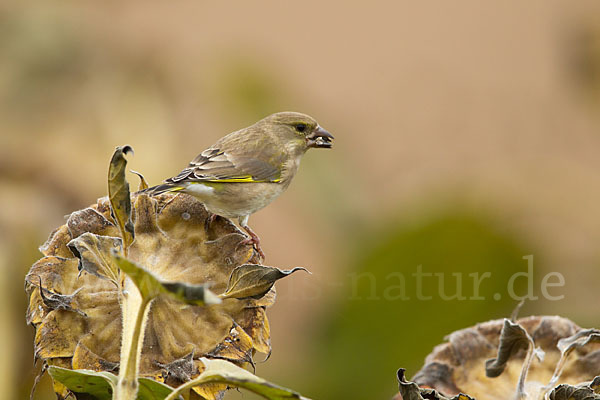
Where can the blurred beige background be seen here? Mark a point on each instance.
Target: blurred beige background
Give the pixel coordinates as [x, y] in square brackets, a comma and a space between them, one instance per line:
[438, 108]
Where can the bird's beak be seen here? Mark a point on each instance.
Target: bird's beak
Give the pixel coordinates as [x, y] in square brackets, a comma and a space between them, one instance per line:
[320, 138]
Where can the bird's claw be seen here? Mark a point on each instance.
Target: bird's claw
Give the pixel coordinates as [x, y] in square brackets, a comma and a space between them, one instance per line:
[254, 241]
[209, 221]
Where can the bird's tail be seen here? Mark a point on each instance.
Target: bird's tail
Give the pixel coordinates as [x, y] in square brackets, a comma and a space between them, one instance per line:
[162, 188]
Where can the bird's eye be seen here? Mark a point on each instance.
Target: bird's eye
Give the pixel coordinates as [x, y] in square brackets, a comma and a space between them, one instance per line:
[301, 128]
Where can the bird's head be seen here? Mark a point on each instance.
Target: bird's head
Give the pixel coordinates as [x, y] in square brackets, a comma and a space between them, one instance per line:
[299, 131]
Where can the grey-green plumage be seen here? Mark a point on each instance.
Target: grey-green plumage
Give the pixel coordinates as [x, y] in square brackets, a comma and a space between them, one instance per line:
[247, 169]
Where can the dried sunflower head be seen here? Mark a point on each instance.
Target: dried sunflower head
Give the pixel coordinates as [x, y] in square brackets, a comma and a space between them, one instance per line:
[501, 359]
[75, 291]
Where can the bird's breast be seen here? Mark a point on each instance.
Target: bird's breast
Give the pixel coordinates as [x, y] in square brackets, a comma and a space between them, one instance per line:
[233, 200]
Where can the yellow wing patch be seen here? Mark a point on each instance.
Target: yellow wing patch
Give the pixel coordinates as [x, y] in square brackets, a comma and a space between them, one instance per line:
[241, 179]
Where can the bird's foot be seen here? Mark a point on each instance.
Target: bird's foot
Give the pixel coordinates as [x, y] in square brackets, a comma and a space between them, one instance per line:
[209, 221]
[253, 240]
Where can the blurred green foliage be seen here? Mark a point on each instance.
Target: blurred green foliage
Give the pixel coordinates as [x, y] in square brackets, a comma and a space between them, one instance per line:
[368, 336]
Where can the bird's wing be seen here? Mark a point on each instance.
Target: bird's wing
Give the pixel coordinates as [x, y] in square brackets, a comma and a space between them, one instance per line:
[217, 165]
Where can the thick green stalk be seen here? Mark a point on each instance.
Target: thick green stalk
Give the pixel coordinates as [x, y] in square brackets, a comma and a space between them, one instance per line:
[135, 314]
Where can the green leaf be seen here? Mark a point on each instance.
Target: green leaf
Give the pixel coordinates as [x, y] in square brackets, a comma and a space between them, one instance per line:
[118, 194]
[220, 371]
[254, 281]
[191, 294]
[101, 385]
[149, 389]
[93, 252]
[412, 391]
[151, 286]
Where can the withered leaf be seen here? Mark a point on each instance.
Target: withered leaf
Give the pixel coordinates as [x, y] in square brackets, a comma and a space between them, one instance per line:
[254, 281]
[118, 194]
[412, 391]
[84, 358]
[515, 313]
[580, 339]
[56, 301]
[89, 220]
[143, 184]
[220, 371]
[570, 392]
[595, 385]
[150, 286]
[181, 369]
[237, 346]
[439, 375]
[52, 340]
[93, 252]
[567, 345]
[512, 339]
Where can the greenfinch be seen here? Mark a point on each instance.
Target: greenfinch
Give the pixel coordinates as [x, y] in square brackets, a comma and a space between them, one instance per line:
[248, 169]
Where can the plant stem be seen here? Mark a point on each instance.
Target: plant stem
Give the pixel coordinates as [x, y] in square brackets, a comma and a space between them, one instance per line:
[521, 394]
[135, 312]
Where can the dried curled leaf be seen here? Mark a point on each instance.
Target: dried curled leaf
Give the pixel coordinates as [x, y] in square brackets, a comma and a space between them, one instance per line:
[56, 301]
[579, 392]
[182, 369]
[118, 194]
[93, 252]
[567, 345]
[237, 346]
[580, 339]
[254, 281]
[595, 384]
[143, 184]
[412, 391]
[513, 339]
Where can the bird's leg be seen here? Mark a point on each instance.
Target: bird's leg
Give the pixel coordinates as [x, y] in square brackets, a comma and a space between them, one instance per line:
[209, 221]
[253, 239]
